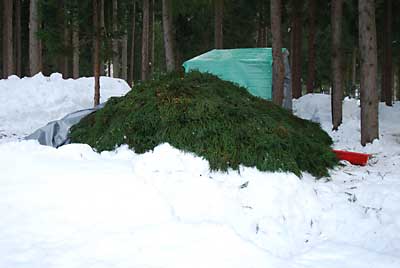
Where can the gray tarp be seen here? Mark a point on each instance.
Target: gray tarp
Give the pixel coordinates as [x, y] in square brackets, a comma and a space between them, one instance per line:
[56, 132]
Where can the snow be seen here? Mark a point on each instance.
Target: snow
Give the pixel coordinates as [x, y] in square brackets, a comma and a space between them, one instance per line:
[30, 102]
[73, 207]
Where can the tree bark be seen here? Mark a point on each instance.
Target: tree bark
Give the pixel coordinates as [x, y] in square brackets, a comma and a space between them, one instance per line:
[368, 53]
[387, 68]
[354, 69]
[218, 23]
[311, 45]
[296, 48]
[34, 43]
[67, 42]
[336, 61]
[102, 31]
[96, 55]
[145, 41]
[124, 67]
[151, 36]
[18, 32]
[261, 26]
[8, 59]
[75, 46]
[169, 36]
[115, 41]
[132, 56]
[278, 68]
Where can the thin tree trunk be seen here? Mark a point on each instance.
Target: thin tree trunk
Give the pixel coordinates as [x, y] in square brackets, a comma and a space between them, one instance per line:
[278, 68]
[75, 47]
[387, 68]
[169, 37]
[368, 51]
[336, 61]
[261, 26]
[59, 60]
[218, 23]
[34, 44]
[18, 32]
[67, 42]
[96, 55]
[8, 59]
[115, 42]
[145, 41]
[151, 35]
[296, 50]
[354, 69]
[102, 31]
[132, 56]
[124, 69]
[311, 45]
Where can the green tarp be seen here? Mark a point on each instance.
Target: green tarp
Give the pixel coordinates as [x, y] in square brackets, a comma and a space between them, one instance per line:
[248, 67]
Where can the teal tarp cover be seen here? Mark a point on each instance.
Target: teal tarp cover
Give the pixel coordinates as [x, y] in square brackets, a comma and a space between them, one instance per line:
[248, 67]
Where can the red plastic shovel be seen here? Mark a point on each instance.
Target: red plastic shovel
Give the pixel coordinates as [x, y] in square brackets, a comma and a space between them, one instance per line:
[353, 157]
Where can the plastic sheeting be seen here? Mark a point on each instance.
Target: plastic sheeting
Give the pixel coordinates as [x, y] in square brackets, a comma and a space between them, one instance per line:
[56, 132]
[248, 67]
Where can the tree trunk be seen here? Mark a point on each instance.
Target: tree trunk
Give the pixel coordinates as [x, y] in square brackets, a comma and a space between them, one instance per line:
[8, 59]
[67, 42]
[115, 41]
[18, 32]
[151, 36]
[387, 68]
[368, 53]
[169, 36]
[75, 47]
[34, 44]
[296, 49]
[311, 45]
[278, 68]
[336, 61]
[261, 26]
[96, 51]
[218, 23]
[354, 69]
[132, 56]
[145, 41]
[124, 68]
[102, 31]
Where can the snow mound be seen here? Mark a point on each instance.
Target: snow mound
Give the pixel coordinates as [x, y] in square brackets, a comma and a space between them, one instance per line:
[72, 207]
[317, 108]
[31, 102]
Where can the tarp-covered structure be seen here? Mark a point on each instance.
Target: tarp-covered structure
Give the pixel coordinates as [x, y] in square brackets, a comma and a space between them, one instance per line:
[248, 67]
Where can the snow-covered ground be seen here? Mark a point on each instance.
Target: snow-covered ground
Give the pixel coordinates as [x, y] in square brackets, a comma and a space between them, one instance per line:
[28, 103]
[71, 207]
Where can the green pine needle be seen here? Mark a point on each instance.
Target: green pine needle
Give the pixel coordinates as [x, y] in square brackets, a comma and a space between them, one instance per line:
[212, 118]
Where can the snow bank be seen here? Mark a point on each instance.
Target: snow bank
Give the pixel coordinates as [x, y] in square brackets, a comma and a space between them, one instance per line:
[73, 207]
[31, 102]
[317, 108]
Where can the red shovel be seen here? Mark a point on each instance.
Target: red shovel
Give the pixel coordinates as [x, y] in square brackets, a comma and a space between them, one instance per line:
[353, 157]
